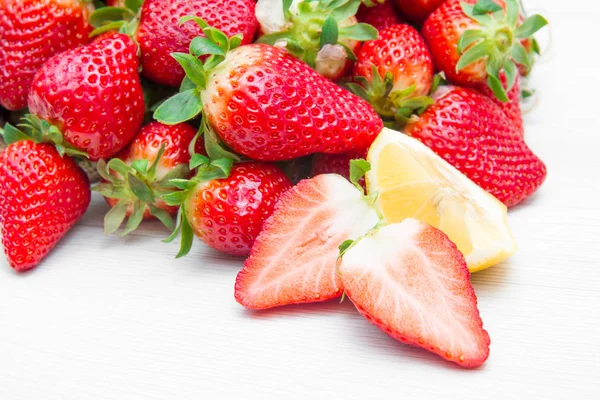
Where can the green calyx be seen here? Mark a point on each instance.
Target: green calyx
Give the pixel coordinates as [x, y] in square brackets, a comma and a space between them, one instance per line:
[187, 104]
[40, 131]
[498, 41]
[316, 24]
[395, 107]
[137, 188]
[206, 171]
[121, 19]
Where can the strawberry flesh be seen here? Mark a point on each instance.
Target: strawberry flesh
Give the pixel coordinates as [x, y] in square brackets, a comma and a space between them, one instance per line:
[293, 259]
[411, 281]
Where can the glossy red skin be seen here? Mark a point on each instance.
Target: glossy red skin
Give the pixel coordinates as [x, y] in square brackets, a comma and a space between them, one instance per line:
[159, 33]
[417, 11]
[146, 145]
[512, 108]
[42, 195]
[228, 214]
[93, 94]
[270, 106]
[381, 16]
[32, 31]
[401, 51]
[470, 132]
[336, 164]
[442, 31]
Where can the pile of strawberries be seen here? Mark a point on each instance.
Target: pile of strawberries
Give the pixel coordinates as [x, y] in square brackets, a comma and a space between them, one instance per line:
[205, 114]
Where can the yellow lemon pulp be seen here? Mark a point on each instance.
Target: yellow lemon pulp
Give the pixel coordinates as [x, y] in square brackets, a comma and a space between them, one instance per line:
[414, 182]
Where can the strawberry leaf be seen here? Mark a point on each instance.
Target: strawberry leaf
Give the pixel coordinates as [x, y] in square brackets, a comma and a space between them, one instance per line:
[187, 236]
[163, 216]
[361, 32]
[472, 55]
[486, 6]
[140, 189]
[135, 219]
[179, 108]
[329, 34]
[198, 160]
[358, 169]
[12, 134]
[115, 217]
[345, 10]
[531, 26]
[194, 69]
[201, 46]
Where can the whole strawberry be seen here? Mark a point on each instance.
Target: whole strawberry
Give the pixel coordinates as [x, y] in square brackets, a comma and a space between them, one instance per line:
[225, 205]
[380, 15]
[160, 34]
[92, 94]
[417, 11]
[470, 132]
[32, 31]
[42, 195]
[269, 106]
[512, 107]
[140, 174]
[395, 72]
[474, 42]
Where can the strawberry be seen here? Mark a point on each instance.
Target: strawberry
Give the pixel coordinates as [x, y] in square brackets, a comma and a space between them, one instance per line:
[140, 174]
[335, 164]
[380, 15]
[42, 195]
[92, 94]
[417, 11]
[155, 26]
[32, 31]
[412, 282]
[269, 106]
[226, 206]
[116, 3]
[470, 132]
[512, 108]
[324, 34]
[395, 72]
[309, 223]
[474, 42]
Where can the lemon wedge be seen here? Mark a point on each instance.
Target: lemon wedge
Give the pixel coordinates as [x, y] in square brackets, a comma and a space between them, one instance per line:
[414, 182]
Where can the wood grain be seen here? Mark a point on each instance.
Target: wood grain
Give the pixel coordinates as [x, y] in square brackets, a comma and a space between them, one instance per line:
[105, 318]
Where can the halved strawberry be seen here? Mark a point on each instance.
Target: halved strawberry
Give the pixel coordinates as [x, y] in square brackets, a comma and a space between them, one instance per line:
[293, 259]
[411, 281]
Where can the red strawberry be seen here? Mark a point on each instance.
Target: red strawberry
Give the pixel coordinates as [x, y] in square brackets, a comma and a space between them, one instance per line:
[115, 3]
[411, 281]
[472, 44]
[42, 195]
[417, 11]
[470, 132]
[395, 72]
[512, 108]
[335, 164]
[32, 31]
[381, 15]
[92, 94]
[294, 257]
[226, 206]
[139, 175]
[267, 105]
[320, 33]
[160, 32]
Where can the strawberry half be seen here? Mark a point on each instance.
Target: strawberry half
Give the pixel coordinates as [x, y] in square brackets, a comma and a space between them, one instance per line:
[411, 281]
[308, 225]
[32, 31]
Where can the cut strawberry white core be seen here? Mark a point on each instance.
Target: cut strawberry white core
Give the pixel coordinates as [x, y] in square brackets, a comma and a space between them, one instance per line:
[411, 281]
[294, 258]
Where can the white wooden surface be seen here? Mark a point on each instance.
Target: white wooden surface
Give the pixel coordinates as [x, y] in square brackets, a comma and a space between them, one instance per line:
[105, 318]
